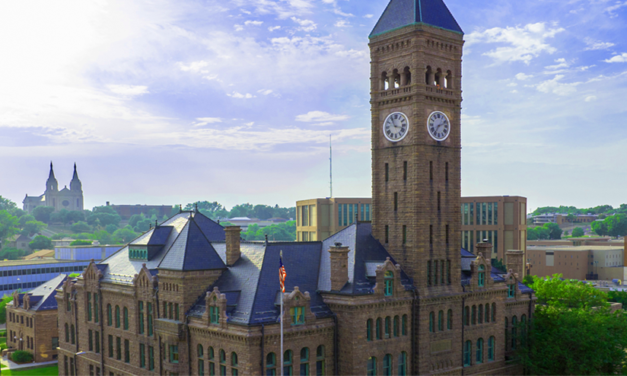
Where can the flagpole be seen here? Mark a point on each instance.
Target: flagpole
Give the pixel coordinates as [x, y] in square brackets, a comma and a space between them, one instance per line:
[281, 292]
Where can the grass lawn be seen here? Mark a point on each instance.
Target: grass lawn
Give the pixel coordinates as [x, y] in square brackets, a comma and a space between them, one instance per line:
[43, 371]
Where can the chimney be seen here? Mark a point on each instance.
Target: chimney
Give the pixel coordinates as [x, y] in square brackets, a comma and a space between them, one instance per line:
[515, 262]
[233, 252]
[339, 266]
[485, 249]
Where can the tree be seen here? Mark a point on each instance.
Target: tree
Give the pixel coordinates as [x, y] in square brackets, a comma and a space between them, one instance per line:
[42, 213]
[33, 227]
[263, 211]
[26, 218]
[599, 227]
[40, 242]
[80, 227]
[616, 225]
[574, 324]
[75, 216]
[111, 228]
[6, 204]
[571, 218]
[3, 308]
[8, 226]
[11, 254]
[60, 216]
[555, 232]
[80, 242]
[243, 210]
[143, 225]
[103, 219]
[125, 234]
[578, 232]
[134, 219]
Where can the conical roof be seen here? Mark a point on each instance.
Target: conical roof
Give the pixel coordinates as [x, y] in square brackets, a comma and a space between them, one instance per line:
[401, 13]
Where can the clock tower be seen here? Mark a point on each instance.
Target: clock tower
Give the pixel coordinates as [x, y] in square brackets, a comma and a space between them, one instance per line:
[416, 63]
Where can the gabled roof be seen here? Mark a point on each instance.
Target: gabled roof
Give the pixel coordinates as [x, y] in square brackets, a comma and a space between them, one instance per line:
[401, 13]
[43, 297]
[192, 251]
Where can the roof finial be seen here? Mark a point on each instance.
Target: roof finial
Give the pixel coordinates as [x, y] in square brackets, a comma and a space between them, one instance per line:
[156, 224]
[267, 240]
[180, 208]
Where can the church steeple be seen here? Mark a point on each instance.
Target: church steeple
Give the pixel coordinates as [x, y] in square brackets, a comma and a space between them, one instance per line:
[75, 184]
[51, 183]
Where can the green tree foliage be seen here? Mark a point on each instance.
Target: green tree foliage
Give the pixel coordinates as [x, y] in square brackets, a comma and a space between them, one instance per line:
[33, 227]
[80, 227]
[111, 228]
[243, 210]
[42, 213]
[40, 242]
[74, 275]
[615, 225]
[125, 234]
[573, 210]
[80, 242]
[143, 225]
[263, 212]
[545, 232]
[3, 308]
[574, 324]
[26, 218]
[103, 219]
[280, 232]
[578, 232]
[555, 232]
[11, 254]
[134, 219]
[21, 356]
[6, 204]
[529, 280]
[9, 225]
[59, 236]
[618, 297]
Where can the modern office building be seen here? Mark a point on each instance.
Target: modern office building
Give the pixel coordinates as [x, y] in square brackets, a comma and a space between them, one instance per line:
[502, 220]
[578, 262]
[32, 321]
[28, 274]
[85, 252]
[317, 219]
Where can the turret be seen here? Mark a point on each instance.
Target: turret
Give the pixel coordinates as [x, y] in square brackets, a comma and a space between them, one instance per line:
[75, 184]
[51, 183]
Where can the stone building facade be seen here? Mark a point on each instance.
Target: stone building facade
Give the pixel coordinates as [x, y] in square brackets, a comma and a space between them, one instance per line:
[69, 199]
[32, 321]
[396, 295]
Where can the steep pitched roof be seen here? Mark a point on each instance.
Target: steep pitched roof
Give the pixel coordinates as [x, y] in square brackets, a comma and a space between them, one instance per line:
[401, 13]
[43, 297]
[192, 251]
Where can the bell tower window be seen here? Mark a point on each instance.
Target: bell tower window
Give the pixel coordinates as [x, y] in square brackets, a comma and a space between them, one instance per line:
[429, 76]
[385, 81]
[406, 77]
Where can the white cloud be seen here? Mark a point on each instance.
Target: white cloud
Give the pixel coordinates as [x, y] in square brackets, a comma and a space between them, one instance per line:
[591, 98]
[241, 96]
[368, 16]
[305, 25]
[556, 87]
[342, 23]
[512, 84]
[618, 5]
[265, 91]
[323, 118]
[206, 120]
[339, 12]
[597, 45]
[525, 43]
[273, 28]
[254, 23]
[622, 58]
[561, 63]
[238, 27]
[128, 90]
[523, 77]
[283, 8]
[196, 66]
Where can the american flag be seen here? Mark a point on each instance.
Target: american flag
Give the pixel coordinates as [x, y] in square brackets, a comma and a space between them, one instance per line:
[282, 273]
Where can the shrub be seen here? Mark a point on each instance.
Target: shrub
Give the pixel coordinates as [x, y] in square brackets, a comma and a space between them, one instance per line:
[21, 356]
[74, 275]
[578, 232]
[81, 242]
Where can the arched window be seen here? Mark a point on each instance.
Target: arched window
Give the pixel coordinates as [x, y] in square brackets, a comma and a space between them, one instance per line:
[201, 362]
[234, 363]
[211, 361]
[385, 83]
[506, 334]
[449, 79]
[441, 321]
[431, 322]
[467, 315]
[407, 75]
[449, 319]
[389, 283]
[271, 364]
[480, 314]
[67, 333]
[320, 363]
[429, 76]
[387, 365]
[109, 315]
[439, 78]
[396, 326]
[396, 79]
[388, 327]
[514, 323]
[372, 366]
[487, 313]
[117, 316]
[171, 311]
[378, 328]
[479, 358]
[287, 363]
[481, 276]
[493, 311]
[474, 315]
[491, 348]
[304, 361]
[404, 326]
[467, 352]
[222, 362]
[125, 318]
[73, 334]
[511, 291]
[402, 364]
[369, 329]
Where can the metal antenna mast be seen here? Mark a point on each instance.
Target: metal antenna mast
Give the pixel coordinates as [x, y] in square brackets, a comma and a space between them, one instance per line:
[331, 164]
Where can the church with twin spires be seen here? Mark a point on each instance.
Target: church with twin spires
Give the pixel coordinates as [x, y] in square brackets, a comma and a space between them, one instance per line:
[69, 199]
[395, 296]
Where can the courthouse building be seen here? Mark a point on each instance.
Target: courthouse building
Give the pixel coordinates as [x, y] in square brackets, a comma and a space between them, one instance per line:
[396, 295]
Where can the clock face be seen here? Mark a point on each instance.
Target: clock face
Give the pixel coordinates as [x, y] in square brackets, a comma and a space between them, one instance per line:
[439, 126]
[396, 126]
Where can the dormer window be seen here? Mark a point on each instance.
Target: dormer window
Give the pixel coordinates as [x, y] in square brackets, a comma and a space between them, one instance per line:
[298, 315]
[214, 313]
[138, 254]
[511, 291]
[389, 283]
[481, 276]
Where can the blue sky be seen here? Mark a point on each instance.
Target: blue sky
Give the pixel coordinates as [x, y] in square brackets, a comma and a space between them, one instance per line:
[168, 102]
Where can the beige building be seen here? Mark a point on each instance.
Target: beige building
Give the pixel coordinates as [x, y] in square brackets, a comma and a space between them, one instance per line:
[319, 218]
[502, 220]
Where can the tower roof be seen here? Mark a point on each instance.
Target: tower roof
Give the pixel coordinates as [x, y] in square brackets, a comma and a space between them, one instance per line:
[401, 13]
[51, 174]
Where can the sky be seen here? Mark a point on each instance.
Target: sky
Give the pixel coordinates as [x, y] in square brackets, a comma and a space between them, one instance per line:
[170, 102]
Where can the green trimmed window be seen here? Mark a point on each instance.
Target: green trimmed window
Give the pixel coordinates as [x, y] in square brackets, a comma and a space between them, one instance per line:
[431, 322]
[369, 330]
[174, 354]
[396, 326]
[271, 364]
[150, 319]
[222, 363]
[142, 355]
[467, 352]
[141, 317]
[89, 306]
[389, 283]
[402, 364]
[511, 291]
[378, 328]
[491, 348]
[387, 365]
[372, 366]
[388, 326]
[320, 362]
[109, 315]
[298, 315]
[212, 365]
[125, 318]
[117, 316]
[151, 358]
[234, 371]
[214, 313]
[481, 276]
[479, 358]
[96, 311]
[304, 361]
[441, 321]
